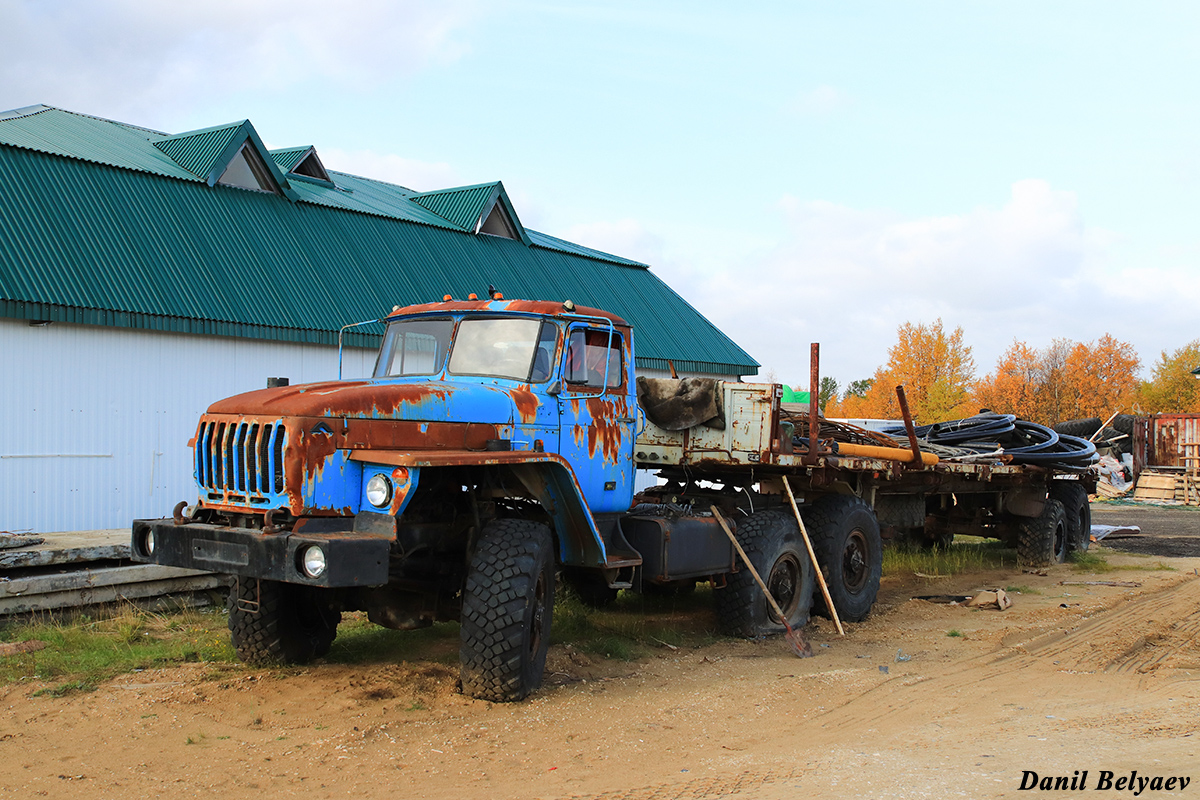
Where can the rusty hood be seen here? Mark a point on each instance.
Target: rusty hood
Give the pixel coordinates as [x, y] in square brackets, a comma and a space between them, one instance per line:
[443, 401]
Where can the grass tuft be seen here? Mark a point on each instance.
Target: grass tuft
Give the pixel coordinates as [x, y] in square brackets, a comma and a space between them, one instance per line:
[961, 556]
[80, 654]
[954, 633]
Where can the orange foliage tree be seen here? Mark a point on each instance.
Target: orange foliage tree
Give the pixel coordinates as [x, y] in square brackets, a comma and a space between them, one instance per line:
[935, 368]
[1101, 377]
[1173, 389]
[1065, 380]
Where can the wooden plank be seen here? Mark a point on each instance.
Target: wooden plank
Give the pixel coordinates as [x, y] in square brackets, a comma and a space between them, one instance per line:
[1157, 481]
[91, 579]
[108, 594]
[74, 547]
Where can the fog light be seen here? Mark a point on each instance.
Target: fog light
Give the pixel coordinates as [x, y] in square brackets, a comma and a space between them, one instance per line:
[148, 543]
[379, 491]
[313, 562]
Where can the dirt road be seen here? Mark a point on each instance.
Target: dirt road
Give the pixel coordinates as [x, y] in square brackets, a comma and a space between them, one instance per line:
[1095, 678]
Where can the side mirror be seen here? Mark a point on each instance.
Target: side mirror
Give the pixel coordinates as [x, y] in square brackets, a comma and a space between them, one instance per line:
[554, 388]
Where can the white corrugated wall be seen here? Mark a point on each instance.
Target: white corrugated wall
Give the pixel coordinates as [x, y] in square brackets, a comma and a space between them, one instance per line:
[95, 421]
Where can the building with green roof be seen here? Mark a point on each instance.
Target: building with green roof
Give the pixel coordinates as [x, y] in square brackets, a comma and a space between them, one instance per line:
[145, 274]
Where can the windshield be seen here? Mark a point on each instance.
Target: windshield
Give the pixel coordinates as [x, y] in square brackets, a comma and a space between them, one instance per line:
[414, 347]
[498, 347]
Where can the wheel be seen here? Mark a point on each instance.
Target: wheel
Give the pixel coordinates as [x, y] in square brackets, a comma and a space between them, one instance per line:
[1043, 540]
[1078, 513]
[590, 587]
[845, 537]
[508, 600]
[293, 623]
[772, 541]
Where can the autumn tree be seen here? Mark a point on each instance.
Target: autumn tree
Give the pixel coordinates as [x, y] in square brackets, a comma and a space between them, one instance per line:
[1016, 385]
[1101, 377]
[936, 370]
[1173, 389]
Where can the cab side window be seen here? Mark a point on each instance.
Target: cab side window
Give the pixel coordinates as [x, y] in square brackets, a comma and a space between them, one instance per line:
[588, 355]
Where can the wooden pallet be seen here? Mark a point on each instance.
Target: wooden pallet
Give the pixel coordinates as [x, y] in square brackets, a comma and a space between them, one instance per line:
[1177, 487]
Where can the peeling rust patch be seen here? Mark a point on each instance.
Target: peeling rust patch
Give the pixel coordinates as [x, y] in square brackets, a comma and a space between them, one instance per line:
[527, 403]
[607, 431]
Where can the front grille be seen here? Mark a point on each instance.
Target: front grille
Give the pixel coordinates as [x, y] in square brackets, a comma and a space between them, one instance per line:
[241, 457]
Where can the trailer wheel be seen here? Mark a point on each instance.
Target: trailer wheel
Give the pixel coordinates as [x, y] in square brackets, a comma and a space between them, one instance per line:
[1078, 514]
[1043, 540]
[293, 624]
[508, 600]
[845, 537]
[772, 541]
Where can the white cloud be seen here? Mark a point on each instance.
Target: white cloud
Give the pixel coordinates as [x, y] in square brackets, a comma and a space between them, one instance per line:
[1029, 270]
[820, 101]
[136, 57]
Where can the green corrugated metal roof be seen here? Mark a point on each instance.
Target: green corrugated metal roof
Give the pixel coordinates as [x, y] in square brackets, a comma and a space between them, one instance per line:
[290, 156]
[461, 206]
[137, 244]
[200, 152]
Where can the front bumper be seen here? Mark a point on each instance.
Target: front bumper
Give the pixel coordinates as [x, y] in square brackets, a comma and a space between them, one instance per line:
[354, 558]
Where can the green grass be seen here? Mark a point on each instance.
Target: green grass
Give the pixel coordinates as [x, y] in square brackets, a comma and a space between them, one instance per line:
[82, 653]
[954, 633]
[970, 555]
[635, 624]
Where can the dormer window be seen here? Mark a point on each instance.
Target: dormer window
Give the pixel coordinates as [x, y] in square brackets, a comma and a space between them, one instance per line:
[498, 224]
[311, 167]
[246, 170]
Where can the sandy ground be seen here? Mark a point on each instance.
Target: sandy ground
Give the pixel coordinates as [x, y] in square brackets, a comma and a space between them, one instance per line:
[1096, 678]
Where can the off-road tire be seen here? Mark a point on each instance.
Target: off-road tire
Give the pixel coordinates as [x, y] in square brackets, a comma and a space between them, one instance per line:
[1084, 427]
[508, 602]
[589, 586]
[772, 541]
[1078, 513]
[293, 624]
[1042, 541]
[845, 537]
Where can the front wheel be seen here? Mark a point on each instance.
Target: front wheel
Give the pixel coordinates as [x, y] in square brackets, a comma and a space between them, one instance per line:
[845, 538]
[507, 605]
[772, 541]
[280, 623]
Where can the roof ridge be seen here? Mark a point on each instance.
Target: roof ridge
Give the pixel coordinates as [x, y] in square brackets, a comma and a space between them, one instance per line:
[432, 192]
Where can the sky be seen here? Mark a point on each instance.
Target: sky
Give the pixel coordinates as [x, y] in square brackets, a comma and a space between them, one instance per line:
[798, 171]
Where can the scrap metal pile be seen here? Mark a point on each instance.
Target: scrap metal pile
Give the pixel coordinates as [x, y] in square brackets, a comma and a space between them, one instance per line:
[987, 437]
[1003, 436]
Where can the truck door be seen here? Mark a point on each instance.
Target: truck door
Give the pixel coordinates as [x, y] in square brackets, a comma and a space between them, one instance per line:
[599, 411]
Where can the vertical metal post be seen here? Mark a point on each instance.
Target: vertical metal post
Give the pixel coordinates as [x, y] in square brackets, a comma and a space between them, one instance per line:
[908, 426]
[814, 396]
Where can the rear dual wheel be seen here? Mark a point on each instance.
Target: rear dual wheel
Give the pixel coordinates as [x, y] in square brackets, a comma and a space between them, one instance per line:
[845, 538]
[772, 541]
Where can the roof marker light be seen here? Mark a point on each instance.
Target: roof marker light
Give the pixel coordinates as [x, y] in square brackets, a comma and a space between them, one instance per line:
[472, 296]
[568, 306]
[447, 299]
[498, 296]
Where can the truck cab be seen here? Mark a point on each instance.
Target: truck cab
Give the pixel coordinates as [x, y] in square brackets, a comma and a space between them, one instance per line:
[491, 431]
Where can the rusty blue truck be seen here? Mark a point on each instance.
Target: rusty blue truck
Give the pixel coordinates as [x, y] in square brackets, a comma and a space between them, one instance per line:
[493, 452]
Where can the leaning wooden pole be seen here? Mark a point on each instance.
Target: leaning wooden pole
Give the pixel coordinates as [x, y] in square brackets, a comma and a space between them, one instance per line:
[813, 556]
[795, 638]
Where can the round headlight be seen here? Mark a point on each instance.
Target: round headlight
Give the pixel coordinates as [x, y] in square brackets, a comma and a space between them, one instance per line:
[379, 491]
[148, 543]
[313, 562]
